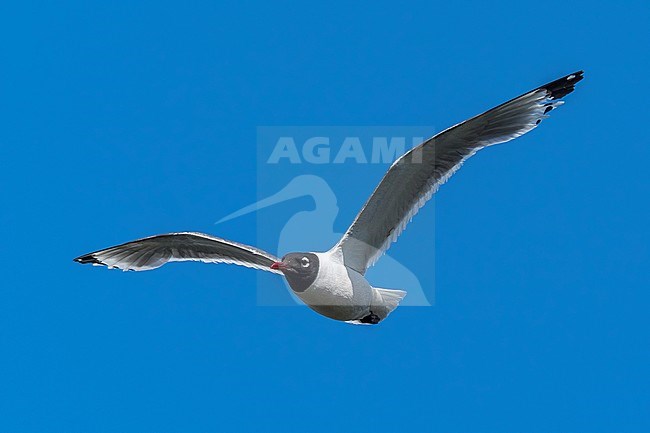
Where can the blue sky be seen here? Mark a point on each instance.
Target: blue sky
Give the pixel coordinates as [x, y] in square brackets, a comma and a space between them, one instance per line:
[127, 120]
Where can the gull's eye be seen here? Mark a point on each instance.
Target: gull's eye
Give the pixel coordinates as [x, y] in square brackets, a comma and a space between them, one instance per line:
[304, 262]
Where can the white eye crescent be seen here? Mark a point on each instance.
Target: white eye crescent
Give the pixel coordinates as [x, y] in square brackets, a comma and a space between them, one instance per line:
[304, 262]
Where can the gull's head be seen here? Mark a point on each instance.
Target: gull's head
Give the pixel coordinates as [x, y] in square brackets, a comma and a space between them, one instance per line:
[300, 269]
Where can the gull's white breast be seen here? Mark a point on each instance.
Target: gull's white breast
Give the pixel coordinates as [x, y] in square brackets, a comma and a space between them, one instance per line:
[338, 292]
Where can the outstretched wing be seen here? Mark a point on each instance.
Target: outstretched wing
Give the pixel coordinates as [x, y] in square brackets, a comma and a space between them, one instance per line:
[417, 174]
[153, 252]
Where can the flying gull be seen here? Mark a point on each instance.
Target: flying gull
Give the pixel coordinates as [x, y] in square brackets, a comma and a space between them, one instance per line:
[333, 283]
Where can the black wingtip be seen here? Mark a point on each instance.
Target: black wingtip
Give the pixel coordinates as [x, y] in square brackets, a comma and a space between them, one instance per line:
[88, 258]
[563, 86]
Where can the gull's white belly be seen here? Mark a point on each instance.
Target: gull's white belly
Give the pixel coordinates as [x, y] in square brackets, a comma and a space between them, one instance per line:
[338, 292]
